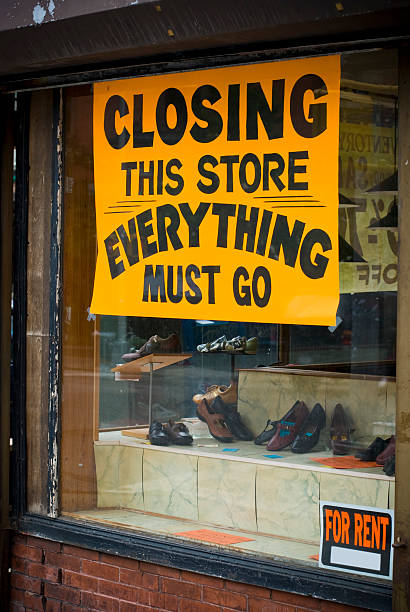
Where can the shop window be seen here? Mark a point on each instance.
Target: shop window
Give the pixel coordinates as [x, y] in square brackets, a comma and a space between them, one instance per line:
[218, 471]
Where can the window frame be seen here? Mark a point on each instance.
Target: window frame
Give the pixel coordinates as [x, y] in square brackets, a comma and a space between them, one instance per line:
[325, 584]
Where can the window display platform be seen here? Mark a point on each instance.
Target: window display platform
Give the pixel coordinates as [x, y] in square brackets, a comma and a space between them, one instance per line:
[255, 543]
[239, 489]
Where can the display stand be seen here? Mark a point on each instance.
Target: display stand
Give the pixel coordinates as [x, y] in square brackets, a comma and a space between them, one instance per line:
[155, 361]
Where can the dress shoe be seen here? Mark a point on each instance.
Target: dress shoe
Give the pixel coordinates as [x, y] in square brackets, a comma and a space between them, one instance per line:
[212, 347]
[265, 435]
[215, 422]
[389, 467]
[232, 419]
[340, 441]
[288, 427]
[309, 432]
[371, 452]
[156, 344]
[157, 434]
[178, 433]
[229, 395]
[388, 452]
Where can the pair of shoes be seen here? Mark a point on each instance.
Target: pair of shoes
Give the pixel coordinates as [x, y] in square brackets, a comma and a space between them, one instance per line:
[373, 450]
[223, 420]
[298, 429]
[340, 430]
[229, 395]
[239, 344]
[155, 344]
[175, 433]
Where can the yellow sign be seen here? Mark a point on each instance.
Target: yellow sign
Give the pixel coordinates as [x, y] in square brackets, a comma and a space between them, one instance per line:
[216, 193]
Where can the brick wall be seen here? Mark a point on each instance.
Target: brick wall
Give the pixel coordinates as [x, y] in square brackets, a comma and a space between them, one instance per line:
[54, 577]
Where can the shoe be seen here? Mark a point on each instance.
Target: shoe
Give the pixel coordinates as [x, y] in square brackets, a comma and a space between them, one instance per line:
[229, 395]
[251, 346]
[265, 435]
[340, 441]
[370, 453]
[156, 344]
[157, 434]
[309, 433]
[389, 468]
[388, 452]
[288, 427]
[217, 345]
[235, 345]
[215, 422]
[232, 419]
[178, 433]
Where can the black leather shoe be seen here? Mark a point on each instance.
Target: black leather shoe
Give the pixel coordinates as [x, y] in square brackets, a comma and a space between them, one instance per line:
[157, 435]
[309, 433]
[178, 433]
[232, 419]
[265, 435]
[370, 453]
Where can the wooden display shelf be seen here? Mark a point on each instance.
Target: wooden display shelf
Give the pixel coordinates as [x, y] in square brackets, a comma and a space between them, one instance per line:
[137, 432]
[154, 361]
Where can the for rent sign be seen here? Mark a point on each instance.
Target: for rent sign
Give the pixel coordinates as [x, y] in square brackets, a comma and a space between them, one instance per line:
[356, 539]
[216, 193]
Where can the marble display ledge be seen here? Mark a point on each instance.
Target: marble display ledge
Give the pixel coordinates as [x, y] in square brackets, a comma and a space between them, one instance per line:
[318, 373]
[297, 462]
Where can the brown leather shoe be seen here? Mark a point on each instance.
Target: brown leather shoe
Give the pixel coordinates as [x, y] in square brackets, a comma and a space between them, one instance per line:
[215, 422]
[388, 452]
[229, 395]
[156, 344]
[288, 427]
[340, 441]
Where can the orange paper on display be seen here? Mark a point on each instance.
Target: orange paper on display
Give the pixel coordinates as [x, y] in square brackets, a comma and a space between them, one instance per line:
[216, 193]
[347, 462]
[216, 537]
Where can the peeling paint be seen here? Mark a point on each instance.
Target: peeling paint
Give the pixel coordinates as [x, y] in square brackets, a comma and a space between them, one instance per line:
[38, 14]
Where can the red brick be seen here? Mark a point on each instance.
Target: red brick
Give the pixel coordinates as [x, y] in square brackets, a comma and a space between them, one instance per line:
[80, 581]
[330, 606]
[248, 589]
[17, 596]
[101, 570]
[92, 601]
[25, 583]
[27, 552]
[115, 589]
[53, 605]
[83, 553]
[225, 598]
[17, 607]
[63, 561]
[129, 607]
[50, 545]
[160, 570]
[182, 589]
[265, 605]
[142, 596]
[136, 578]
[163, 601]
[69, 608]
[120, 561]
[187, 605]
[18, 564]
[295, 600]
[19, 538]
[218, 583]
[59, 591]
[45, 572]
[35, 602]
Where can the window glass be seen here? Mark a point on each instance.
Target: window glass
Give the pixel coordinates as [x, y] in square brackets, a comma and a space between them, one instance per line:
[250, 417]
